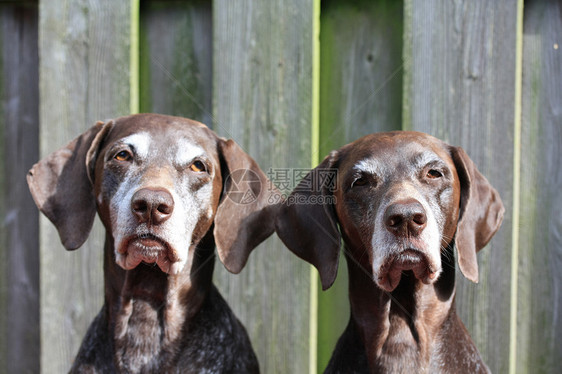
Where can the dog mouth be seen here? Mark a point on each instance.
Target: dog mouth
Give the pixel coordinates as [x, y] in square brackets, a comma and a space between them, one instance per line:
[410, 259]
[148, 249]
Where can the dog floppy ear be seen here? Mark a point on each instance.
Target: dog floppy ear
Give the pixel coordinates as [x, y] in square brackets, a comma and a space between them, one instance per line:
[62, 189]
[306, 223]
[245, 215]
[480, 216]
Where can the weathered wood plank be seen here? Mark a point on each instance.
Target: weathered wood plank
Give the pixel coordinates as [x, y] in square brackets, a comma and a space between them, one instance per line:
[262, 98]
[360, 93]
[84, 77]
[176, 58]
[361, 70]
[19, 149]
[459, 85]
[539, 318]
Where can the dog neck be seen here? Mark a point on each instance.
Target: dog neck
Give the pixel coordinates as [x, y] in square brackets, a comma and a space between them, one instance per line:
[399, 327]
[147, 310]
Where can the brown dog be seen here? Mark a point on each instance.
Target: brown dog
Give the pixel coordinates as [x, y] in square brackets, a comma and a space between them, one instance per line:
[403, 202]
[164, 191]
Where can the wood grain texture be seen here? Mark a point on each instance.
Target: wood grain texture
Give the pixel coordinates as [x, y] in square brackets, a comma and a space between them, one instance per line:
[84, 77]
[539, 318]
[361, 70]
[176, 59]
[19, 149]
[459, 85]
[262, 98]
[360, 93]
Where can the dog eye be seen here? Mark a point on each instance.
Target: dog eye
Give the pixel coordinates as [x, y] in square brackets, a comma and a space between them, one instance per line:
[123, 156]
[198, 166]
[434, 174]
[358, 182]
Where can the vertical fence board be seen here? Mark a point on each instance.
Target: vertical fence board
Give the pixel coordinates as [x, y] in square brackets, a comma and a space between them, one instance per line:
[19, 149]
[262, 98]
[459, 85]
[84, 76]
[361, 70]
[176, 59]
[360, 93]
[539, 334]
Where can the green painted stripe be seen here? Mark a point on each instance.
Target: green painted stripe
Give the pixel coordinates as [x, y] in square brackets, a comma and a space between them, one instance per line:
[516, 190]
[315, 138]
[407, 78]
[315, 158]
[134, 64]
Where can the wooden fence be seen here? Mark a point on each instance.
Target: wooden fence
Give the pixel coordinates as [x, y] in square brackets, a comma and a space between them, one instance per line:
[289, 80]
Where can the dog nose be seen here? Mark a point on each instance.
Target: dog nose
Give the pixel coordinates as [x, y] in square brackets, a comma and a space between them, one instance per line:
[405, 218]
[153, 206]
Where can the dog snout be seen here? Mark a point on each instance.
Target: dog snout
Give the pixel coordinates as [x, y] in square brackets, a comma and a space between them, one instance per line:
[406, 218]
[152, 206]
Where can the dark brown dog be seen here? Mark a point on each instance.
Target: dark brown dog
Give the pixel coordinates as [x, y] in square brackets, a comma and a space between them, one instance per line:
[403, 202]
[161, 187]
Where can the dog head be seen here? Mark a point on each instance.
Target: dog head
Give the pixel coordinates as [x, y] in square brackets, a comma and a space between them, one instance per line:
[159, 183]
[401, 198]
